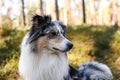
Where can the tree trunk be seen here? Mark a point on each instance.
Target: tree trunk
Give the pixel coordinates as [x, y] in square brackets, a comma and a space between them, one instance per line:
[84, 15]
[41, 7]
[1, 2]
[65, 10]
[57, 9]
[113, 12]
[23, 13]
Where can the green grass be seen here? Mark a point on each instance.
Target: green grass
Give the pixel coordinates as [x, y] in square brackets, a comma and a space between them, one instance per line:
[100, 43]
[9, 52]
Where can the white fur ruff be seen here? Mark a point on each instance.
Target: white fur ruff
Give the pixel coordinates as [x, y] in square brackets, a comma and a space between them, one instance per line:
[45, 67]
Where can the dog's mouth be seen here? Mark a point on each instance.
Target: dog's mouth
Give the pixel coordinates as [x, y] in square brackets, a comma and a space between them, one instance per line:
[60, 50]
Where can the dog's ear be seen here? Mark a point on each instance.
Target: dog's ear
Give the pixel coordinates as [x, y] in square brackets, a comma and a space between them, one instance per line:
[40, 21]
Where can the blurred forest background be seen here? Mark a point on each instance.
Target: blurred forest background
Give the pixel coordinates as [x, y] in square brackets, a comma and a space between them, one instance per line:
[93, 27]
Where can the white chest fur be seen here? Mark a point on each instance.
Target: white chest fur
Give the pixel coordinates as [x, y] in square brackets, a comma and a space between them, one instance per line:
[44, 67]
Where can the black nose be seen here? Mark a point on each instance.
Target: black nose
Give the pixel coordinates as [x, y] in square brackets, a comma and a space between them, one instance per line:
[70, 45]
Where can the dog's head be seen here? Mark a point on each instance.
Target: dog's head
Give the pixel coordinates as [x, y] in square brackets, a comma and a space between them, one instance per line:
[48, 34]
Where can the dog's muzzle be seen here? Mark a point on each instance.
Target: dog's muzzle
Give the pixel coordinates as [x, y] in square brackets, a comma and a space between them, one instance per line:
[69, 45]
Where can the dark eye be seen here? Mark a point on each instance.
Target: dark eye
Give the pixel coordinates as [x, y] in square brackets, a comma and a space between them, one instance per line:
[54, 33]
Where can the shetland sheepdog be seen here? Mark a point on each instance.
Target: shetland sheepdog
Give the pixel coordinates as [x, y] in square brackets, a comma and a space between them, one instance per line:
[44, 54]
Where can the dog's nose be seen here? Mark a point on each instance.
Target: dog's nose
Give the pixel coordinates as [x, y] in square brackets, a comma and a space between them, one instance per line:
[70, 45]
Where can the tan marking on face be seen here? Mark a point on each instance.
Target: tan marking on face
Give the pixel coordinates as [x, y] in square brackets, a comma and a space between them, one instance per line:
[62, 32]
[55, 30]
[42, 43]
[36, 23]
[58, 40]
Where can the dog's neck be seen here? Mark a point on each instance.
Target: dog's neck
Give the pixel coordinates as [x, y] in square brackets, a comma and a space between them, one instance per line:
[53, 65]
[48, 66]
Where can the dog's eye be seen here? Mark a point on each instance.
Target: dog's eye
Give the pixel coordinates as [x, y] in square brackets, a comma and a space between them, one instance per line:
[54, 33]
